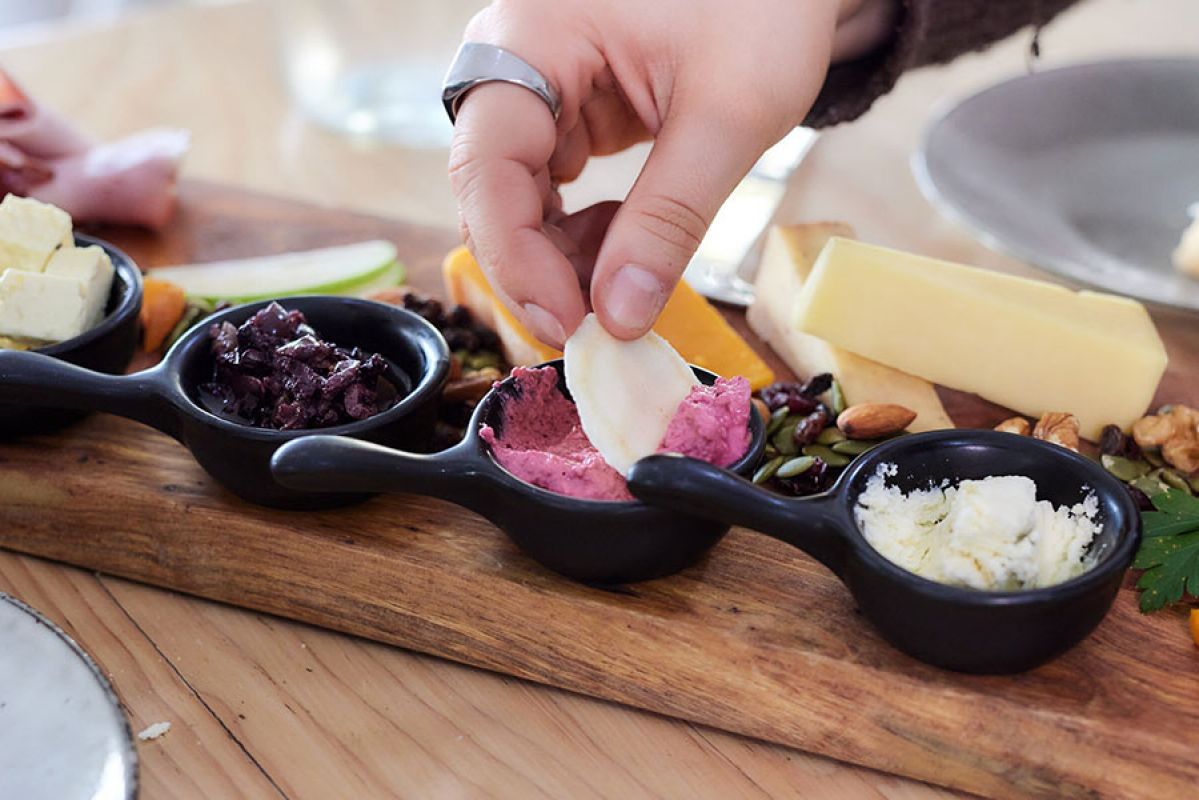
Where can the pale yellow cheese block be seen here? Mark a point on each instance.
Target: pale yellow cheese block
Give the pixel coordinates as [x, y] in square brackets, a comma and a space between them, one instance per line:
[787, 259]
[1028, 345]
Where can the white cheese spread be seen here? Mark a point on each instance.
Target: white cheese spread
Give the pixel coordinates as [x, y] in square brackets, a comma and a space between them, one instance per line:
[990, 534]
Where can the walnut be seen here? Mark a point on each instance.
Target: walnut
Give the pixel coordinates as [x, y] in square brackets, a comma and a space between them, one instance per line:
[1186, 419]
[1153, 431]
[1182, 452]
[1176, 432]
[1017, 425]
[1059, 428]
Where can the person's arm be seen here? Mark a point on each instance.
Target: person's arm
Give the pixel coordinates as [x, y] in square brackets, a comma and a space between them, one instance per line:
[921, 33]
[713, 83]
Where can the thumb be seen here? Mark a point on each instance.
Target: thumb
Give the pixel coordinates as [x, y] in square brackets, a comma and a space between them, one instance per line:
[692, 168]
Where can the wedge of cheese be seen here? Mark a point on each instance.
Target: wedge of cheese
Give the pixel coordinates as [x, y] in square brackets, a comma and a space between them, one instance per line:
[790, 252]
[689, 322]
[30, 231]
[1025, 344]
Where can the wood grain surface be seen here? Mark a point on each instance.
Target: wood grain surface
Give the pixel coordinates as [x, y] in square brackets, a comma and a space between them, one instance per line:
[757, 639]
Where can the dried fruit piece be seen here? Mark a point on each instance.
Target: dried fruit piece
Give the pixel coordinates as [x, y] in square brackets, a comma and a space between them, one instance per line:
[1058, 428]
[1017, 425]
[1115, 442]
[810, 427]
[1195, 626]
[874, 420]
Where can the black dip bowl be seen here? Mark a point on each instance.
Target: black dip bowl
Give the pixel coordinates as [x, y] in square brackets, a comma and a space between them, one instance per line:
[947, 626]
[236, 454]
[108, 347]
[592, 541]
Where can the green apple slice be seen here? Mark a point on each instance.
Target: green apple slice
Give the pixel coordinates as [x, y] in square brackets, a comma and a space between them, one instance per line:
[626, 392]
[346, 269]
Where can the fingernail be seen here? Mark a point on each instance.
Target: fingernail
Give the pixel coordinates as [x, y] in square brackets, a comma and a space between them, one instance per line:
[634, 297]
[545, 325]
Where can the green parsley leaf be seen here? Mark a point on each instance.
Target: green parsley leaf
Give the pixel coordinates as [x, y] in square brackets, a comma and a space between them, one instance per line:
[1169, 551]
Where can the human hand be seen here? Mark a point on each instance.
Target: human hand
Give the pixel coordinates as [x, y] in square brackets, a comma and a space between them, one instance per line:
[713, 83]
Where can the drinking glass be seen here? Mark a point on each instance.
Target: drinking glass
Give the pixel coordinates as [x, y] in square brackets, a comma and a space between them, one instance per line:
[373, 68]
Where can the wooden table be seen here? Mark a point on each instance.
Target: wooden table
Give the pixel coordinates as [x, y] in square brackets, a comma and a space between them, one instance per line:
[263, 707]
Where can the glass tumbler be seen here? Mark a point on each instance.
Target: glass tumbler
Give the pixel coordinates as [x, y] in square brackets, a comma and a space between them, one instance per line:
[373, 68]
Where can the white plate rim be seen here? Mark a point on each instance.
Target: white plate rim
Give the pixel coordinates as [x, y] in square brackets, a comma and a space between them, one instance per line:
[1063, 268]
[131, 760]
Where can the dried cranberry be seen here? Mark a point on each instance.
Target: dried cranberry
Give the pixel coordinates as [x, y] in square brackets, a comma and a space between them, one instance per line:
[1114, 442]
[818, 384]
[814, 480]
[811, 426]
[459, 317]
[791, 395]
[461, 339]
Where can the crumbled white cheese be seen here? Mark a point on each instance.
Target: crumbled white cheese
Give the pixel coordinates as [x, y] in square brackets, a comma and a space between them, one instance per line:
[154, 731]
[984, 534]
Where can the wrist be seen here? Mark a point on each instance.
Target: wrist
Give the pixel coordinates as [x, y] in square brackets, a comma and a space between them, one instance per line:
[862, 27]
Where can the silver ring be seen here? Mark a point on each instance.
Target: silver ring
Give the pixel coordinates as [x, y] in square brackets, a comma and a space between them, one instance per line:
[478, 63]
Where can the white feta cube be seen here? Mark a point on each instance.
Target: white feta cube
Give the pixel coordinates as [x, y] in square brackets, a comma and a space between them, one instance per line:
[92, 267]
[49, 308]
[30, 231]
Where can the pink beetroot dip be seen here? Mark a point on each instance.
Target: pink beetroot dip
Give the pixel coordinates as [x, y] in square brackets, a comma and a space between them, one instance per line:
[543, 442]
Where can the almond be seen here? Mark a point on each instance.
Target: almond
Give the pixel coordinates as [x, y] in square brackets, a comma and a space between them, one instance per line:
[874, 420]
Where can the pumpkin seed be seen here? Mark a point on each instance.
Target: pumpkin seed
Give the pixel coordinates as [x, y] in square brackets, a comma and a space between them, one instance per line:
[1154, 457]
[826, 455]
[1194, 484]
[830, 435]
[784, 439]
[767, 470]
[1174, 479]
[1166, 409]
[771, 451]
[1149, 485]
[853, 447]
[836, 398]
[777, 417]
[796, 466]
[1123, 468]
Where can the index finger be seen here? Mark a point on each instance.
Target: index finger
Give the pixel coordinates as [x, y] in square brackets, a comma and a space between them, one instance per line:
[503, 138]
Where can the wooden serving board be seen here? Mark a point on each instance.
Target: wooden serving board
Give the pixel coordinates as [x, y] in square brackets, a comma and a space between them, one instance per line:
[756, 639]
